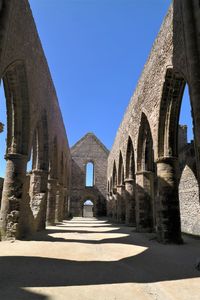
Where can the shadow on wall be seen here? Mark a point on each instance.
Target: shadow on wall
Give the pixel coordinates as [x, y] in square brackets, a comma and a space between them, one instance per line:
[156, 263]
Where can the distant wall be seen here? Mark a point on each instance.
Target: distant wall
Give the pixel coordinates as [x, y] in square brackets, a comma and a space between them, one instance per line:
[88, 149]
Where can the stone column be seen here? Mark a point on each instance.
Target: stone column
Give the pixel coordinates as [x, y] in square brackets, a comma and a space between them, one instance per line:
[114, 205]
[65, 204]
[59, 203]
[130, 202]
[167, 204]
[12, 195]
[38, 194]
[121, 210]
[51, 201]
[144, 201]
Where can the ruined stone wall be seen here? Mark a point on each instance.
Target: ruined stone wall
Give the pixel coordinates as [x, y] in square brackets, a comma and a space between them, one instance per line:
[151, 123]
[189, 202]
[188, 186]
[88, 149]
[147, 95]
[27, 82]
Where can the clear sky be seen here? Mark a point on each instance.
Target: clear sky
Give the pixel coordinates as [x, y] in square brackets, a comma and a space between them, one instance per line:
[96, 50]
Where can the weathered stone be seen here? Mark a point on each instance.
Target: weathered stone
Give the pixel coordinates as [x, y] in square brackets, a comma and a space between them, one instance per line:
[88, 149]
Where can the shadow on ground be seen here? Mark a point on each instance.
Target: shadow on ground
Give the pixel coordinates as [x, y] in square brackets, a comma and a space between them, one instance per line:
[157, 263]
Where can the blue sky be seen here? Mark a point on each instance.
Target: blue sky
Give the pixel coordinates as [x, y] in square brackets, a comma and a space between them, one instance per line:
[96, 50]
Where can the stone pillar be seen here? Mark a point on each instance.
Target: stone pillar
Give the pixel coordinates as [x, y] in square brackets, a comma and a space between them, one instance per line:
[51, 201]
[114, 205]
[144, 201]
[65, 204]
[59, 203]
[130, 202]
[12, 195]
[121, 210]
[38, 194]
[167, 204]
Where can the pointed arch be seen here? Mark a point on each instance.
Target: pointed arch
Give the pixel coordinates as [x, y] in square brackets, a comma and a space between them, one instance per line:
[40, 145]
[170, 105]
[120, 170]
[145, 153]
[18, 111]
[130, 160]
[114, 176]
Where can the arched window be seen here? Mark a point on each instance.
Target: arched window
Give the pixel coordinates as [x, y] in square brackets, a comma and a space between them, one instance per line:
[89, 174]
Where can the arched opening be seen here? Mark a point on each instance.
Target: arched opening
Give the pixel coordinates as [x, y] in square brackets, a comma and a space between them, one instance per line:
[145, 178]
[130, 161]
[39, 173]
[188, 184]
[130, 184]
[88, 209]
[114, 178]
[17, 146]
[89, 174]
[121, 170]
[173, 150]
[189, 202]
[121, 208]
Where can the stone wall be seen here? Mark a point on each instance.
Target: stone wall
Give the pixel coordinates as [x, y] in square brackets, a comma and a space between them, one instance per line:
[150, 124]
[189, 202]
[35, 124]
[188, 185]
[88, 149]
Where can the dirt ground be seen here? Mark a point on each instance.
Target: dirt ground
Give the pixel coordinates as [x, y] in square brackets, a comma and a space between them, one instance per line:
[90, 259]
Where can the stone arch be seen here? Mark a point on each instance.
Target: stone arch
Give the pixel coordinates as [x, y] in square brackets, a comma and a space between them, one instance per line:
[145, 218]
[88, 210]
[120, 175]
[130, 160]
[189, 202]
[145, 153]
[168, 212]
[114, 177]
[172, 93]
[121, 209]
[39, 173]
[18, 139]
[130, 184]
[40, 145]
[94, 200]
[17, 103]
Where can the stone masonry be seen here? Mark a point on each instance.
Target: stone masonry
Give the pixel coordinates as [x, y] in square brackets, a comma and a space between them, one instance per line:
[153, 174]
[34, 126]
[88, 149]
[149, 129]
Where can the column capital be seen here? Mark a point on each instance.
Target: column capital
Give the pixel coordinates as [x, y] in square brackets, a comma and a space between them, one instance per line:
[12, 156]
[144, 172]
[166, 159]
[129, 180]
[39, 172]
[120, 186]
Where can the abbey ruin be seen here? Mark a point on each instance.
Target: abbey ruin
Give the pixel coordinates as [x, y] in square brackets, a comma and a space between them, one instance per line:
[149, 180]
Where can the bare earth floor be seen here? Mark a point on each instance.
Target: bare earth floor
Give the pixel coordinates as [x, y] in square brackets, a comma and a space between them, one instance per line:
[90, 259]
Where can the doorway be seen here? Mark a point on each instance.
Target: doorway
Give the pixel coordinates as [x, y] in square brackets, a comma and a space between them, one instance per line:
[88, 209]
